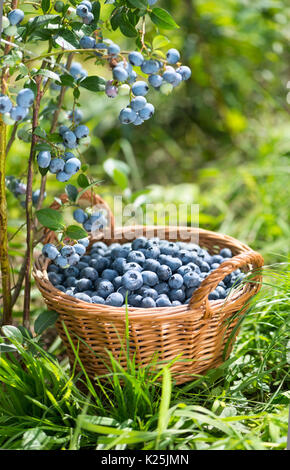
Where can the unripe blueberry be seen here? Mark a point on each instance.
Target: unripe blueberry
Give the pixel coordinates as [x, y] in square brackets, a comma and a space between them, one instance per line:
[124, 89]
[172, 56]
[166, 88]
[111, 90]
[11, 31]
[15, 16]
[58, 6]
[44, 159]
[25, 98]
[140, 88]
[5, 22]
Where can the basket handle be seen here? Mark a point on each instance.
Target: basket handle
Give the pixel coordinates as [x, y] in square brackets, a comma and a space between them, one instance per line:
[50, 236]
[200, 296]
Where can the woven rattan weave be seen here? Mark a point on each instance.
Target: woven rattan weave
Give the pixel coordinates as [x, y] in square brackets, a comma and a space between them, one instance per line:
[196, 336]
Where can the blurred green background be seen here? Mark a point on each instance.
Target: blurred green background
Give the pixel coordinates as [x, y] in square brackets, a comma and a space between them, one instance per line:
[220, 140]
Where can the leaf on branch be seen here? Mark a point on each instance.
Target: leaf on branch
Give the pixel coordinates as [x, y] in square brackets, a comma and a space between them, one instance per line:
[83, 181]
[93, 83]
[51, 219]
[75, 232]
[162, 18]
[45, 320]
[71, 192]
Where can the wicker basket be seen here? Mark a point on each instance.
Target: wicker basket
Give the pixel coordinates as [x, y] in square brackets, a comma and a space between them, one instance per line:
[200, 334]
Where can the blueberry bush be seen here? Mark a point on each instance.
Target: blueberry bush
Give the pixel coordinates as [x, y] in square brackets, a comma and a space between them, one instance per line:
[33, 88]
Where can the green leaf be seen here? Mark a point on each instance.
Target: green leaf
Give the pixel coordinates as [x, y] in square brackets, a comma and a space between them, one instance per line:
[75, 232]
[126, 27]
[76, 93]
[48, 74]
[40, 132]
[96, 8]
[83, 181]
[51, 219]
[7, 348]
[159, 42]
[66, 80]
[138, 3]
[120, 179]
[45, 320]
[162, 18]
[71, 192]
[12, 333]
[67, 39]
[93, 83]
[42, 146]
[45, 5]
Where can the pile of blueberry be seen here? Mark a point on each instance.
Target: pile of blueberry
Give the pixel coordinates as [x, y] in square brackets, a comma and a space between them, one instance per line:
[149, 272]
[24, 101]
[91, 222]
[10, 22]
[18, 189]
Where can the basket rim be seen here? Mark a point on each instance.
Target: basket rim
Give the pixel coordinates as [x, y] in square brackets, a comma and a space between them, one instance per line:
[79, 308]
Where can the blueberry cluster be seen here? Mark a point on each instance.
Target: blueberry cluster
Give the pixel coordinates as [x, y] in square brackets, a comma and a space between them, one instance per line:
[148, 272]
[18, 189]
[160, 76]
[68, 255]
[64, 166]
[24, 101]
[10, 22]
[84, 11]
[91, 222]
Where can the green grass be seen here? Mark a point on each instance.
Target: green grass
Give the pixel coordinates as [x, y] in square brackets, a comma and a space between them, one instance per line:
[241, 405]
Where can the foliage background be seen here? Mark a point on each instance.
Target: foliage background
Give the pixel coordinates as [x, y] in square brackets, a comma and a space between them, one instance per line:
[221, 140]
